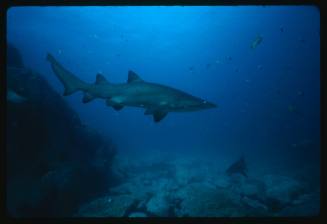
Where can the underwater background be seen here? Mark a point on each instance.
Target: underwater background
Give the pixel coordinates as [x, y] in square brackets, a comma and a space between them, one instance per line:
[259, 65]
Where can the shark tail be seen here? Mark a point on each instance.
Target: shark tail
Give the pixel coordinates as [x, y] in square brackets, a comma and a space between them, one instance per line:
[69, 80]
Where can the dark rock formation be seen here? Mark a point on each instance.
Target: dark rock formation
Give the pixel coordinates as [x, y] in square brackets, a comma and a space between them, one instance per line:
[13, 57]
[54, 162]
[238, 167]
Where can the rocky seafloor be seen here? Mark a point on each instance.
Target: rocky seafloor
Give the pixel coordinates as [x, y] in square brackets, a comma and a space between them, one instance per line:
[188, 187]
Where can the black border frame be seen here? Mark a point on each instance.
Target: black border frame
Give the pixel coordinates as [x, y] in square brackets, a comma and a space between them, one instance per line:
[6, 4]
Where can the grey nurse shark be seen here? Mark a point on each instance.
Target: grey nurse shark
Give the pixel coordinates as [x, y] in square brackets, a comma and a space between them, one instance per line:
[157, 100]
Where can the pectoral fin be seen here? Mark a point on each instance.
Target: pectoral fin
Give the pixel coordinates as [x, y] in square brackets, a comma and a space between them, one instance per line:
[114, 105]
[149, 111]
[87, 97]
[159, 115]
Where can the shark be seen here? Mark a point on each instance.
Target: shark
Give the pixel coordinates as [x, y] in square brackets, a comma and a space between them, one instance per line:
[157, 100]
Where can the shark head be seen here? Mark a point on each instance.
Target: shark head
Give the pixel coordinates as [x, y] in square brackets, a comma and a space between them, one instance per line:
[207, 105]
[202, 105]
[194, 104]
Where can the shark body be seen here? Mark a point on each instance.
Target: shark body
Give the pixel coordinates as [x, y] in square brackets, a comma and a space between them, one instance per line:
[157, 100]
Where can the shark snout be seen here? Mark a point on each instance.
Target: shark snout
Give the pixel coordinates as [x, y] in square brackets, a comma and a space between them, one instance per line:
[208, 105]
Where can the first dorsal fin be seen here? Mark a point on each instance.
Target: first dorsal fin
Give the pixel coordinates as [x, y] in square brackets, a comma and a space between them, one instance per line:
[133, 77]
[100, 79]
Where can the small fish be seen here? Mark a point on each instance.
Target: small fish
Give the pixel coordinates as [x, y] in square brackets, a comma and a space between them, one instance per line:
[301, 39]
[305, 143]
[256, 42]
[291, 108]
[218, 61]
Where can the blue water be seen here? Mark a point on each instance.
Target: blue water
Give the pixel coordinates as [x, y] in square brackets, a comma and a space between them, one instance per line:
[268, 97]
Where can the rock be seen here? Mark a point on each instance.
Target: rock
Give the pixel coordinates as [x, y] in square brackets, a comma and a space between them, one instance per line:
[58, 179]
[185, 173]
[125, 188]
[67, 161]
[200, 201]
[135, 188]
[281, 190]
[254, 203]
[153, 197]
[252, 188]
[221, 181]
[108, 206]
[158, 205]
[254, 208]
[14, 58]
[137, 215]
[306, 205]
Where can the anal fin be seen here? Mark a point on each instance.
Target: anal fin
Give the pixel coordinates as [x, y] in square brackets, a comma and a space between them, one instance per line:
[87, 97]
[159, 115]
[243, 172]
[117, 106]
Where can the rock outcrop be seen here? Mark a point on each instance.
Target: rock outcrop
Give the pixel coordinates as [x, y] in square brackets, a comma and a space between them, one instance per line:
[54, 162]
[198, 190]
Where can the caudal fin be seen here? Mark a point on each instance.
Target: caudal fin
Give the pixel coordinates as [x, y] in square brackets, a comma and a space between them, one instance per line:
[69, 80]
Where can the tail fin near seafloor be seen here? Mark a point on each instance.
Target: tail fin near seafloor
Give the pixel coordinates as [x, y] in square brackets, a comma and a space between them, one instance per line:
[69, 80]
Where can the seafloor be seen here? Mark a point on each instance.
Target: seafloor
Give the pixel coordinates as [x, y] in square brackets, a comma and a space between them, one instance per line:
[181, 186]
